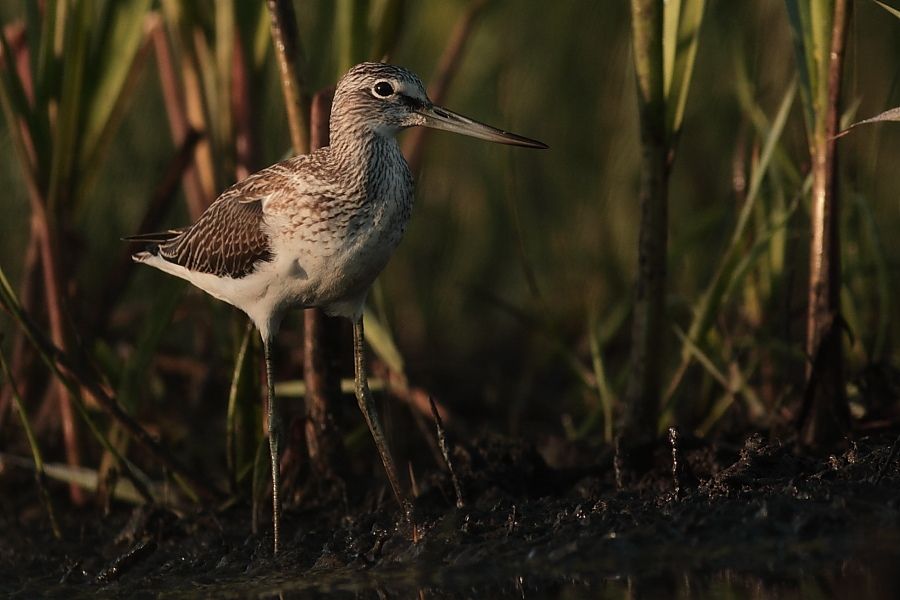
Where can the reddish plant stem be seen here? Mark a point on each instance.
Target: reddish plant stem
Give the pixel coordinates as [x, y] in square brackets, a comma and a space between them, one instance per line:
[287, 50]
[320, 335]
[53, 289]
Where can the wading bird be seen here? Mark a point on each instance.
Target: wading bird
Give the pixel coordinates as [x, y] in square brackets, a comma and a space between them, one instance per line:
[316, 230]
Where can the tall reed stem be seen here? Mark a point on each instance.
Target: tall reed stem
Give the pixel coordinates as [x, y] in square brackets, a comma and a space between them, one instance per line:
[826, 416]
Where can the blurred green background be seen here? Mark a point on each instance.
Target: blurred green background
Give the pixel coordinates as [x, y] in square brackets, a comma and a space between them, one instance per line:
[514, 260]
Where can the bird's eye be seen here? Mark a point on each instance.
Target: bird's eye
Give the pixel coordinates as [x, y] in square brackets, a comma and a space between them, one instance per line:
[383, 89]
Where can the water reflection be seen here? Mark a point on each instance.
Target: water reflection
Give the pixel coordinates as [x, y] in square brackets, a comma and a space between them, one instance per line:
[873, 574]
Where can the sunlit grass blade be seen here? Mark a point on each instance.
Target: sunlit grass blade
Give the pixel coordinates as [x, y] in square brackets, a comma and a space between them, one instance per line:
[681, 36]
[296, 388]
[890, 9]
[379, 337]
[88, 479]
[892, 114]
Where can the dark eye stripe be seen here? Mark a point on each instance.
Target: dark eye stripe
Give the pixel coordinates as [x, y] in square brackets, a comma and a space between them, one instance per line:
[413, 103]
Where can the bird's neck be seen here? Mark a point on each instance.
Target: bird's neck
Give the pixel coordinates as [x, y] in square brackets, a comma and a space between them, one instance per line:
[364, 149]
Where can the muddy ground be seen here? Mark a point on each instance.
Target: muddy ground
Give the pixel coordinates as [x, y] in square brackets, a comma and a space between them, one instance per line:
[753, 519]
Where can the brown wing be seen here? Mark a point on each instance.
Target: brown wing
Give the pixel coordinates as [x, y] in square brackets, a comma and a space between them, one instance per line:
[228, 240]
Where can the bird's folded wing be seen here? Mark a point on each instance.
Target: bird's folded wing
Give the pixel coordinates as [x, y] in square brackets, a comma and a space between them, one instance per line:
[228, 240]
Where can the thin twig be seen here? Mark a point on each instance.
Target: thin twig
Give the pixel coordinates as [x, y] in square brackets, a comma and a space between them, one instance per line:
[445, 451]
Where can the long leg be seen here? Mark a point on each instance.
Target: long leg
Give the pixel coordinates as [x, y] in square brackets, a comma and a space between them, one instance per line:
[274, 443]
[367, 406]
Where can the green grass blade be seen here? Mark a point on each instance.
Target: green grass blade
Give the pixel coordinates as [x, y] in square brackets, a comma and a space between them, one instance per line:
[671, 18]
[711, 299]
[683, 38]
[68, 117]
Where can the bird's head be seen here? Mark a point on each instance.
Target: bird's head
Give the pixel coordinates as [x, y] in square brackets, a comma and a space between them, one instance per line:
[386, 99]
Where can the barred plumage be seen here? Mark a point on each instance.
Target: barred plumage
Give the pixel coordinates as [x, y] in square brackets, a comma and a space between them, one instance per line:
[316, 230]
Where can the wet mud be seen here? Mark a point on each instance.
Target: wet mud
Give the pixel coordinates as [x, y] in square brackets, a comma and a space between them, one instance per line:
[755, 518]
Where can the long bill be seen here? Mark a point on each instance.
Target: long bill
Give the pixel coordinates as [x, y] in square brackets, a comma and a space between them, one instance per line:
[438, 117]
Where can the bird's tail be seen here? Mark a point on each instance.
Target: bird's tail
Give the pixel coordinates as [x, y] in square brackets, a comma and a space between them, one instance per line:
[159, 237]
[152, 241]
